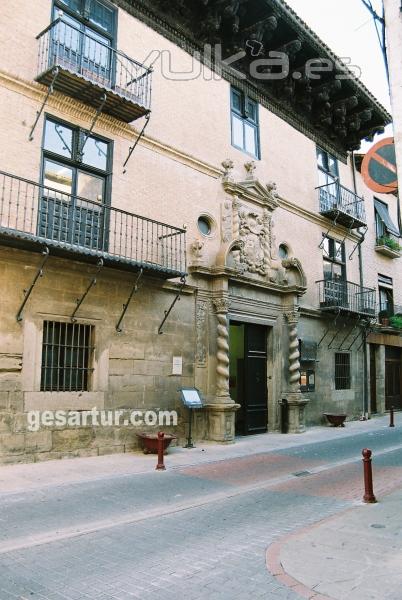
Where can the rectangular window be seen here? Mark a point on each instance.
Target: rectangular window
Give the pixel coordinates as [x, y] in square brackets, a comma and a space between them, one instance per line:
[385, 228]
[327, 167]
[342, 371]
[245, 124]
[76, 186]
[334, 260]
[67, 357]
[386, 296]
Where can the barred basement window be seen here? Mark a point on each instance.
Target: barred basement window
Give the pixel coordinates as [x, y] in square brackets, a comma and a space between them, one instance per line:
[342, 371]
[67, 357]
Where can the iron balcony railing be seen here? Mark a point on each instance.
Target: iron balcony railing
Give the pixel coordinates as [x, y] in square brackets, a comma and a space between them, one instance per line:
[337, 202]
[81, 57]
[35, 213]
[346, 297]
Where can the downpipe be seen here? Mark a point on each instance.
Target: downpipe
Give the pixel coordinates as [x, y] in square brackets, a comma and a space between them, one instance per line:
[365, 406]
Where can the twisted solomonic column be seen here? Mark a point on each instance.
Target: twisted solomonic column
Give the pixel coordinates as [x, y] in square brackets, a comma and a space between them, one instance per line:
[222, 355]
[292, 318]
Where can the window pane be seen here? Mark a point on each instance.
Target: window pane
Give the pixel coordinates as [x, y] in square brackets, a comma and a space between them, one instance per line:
[327, 246]
[95, 153]
[74, 5]
[102, 16]
[251, 139]
[337, 271]
[96, 52]
[58, 138]
[332, 165]
[90, 187]
[322, 159]
[252, 111]
[66, 41]
[236, 102]
[237, 132]
[327, 270]
[58, 177]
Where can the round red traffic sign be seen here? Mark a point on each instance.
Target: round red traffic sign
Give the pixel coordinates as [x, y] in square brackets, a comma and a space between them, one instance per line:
[379, 167]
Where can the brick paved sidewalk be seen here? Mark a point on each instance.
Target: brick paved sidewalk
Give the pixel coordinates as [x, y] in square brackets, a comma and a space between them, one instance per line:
[355, 555]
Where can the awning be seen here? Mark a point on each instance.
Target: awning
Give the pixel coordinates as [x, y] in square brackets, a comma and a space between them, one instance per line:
[308, 351]
[383, 213]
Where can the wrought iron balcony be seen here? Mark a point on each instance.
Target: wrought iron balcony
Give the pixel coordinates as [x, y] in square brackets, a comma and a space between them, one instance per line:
[346, 297]
[342, 205]
[33, 216]
[76, 63]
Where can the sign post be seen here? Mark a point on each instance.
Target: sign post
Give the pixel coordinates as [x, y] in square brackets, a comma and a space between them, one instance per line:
[191, 398]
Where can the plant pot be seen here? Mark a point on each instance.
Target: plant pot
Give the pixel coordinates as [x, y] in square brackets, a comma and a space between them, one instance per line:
[335, 420]
[149, 442]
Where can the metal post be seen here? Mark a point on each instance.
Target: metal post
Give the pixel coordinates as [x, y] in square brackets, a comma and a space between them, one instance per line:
[391, 417]
[160, 466]
[190, 419]
[368, 497]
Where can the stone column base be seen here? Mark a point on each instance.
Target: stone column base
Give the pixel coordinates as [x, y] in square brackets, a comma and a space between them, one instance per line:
[221, 422]
[297, 405]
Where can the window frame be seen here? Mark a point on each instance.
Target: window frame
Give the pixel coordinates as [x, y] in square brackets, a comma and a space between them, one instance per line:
[332, 257]
[242, 115]
[85, 22]
[75, 162]
[338, 378]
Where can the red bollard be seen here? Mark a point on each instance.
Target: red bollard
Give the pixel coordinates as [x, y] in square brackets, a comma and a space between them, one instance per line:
[391, 417]
[368, 497]
[160, 466]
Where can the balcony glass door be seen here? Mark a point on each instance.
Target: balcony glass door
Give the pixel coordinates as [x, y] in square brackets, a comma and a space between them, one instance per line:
[81, 48]
[72, 206]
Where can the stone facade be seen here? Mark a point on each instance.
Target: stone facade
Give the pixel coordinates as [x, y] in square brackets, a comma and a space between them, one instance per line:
[183, 168]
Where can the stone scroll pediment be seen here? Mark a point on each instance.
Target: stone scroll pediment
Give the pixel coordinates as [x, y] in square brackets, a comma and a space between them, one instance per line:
[254, 192]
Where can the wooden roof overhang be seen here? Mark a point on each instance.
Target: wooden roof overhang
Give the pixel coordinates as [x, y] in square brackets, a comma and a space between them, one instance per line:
[335, 110]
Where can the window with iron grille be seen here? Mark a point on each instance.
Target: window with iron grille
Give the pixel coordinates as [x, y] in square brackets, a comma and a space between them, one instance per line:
[342, 371]
[67, 357]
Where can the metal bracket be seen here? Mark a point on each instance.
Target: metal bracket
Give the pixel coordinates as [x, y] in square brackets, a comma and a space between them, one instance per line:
[366, 332]
[359, 242]
[85, 294]
[325, 235]
[94, 120]
[351, 330]
[134, 290]
[329, 328]
[177, 298]
[28, 292]
[50, 91]
[133, 147]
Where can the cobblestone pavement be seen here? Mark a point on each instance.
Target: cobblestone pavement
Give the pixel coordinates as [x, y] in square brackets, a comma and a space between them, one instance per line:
[196, 533]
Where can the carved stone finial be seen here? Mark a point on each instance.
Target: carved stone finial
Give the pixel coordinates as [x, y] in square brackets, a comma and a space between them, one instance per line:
[250, 168]
[228, 166]
[197, 248]
[272, 190]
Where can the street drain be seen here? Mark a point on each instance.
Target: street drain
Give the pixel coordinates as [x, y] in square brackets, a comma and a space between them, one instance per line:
[301, 473]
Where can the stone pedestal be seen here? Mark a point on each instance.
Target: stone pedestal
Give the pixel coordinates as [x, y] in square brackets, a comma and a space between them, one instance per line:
[221, 422]
[297, 405]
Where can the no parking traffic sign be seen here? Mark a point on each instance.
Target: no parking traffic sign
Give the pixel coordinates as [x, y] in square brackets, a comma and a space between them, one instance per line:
[379, 167]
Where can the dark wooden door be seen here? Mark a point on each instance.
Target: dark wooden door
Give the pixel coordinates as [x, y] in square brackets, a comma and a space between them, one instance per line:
[393, 372]
[255, 380]
[373, 380]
